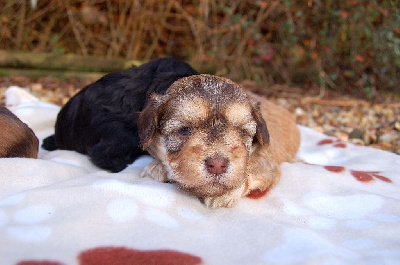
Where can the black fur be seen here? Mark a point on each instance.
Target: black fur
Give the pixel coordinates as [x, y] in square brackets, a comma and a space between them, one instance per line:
[101, 120]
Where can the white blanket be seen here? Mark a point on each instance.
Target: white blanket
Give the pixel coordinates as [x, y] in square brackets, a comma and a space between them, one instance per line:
[342, 206]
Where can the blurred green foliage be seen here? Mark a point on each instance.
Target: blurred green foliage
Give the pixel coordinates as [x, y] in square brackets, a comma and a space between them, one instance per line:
[355, 44]
[350, 46]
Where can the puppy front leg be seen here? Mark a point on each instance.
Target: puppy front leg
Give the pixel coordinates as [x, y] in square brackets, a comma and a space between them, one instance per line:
[227, 200]
[263, 171]
[155, 170]
[264, 181]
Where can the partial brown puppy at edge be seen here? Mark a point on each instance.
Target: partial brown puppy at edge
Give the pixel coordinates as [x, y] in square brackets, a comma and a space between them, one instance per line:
[215, 140]
[16, 138]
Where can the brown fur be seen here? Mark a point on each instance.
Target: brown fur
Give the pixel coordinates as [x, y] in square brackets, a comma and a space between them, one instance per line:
[16, 138]
[206, 120]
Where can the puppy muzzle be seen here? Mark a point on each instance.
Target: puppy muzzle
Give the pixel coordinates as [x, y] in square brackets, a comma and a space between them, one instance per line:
[216, 165]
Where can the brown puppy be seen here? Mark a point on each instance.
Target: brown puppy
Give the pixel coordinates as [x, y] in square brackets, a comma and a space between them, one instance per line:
[216, 141]
[16, 138]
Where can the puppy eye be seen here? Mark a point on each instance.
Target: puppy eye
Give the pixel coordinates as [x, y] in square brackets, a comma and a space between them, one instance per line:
[248, 130]
[185, 131]
[243, 133]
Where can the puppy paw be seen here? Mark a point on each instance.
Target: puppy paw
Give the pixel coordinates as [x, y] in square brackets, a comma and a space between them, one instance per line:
[228, 200]
[218, 202]
[155, 170]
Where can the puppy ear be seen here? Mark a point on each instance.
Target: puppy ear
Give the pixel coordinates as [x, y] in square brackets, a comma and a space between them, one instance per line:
[148, 120]
[262, 134]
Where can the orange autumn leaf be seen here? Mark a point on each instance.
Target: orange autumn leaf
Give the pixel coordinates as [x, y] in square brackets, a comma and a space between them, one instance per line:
[314, 55]
[263, 4]
[352, 3]
[344, 14]
[384, 11]
[359, 58]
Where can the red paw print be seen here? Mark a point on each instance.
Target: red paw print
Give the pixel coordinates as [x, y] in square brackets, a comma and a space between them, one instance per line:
[121, 255]
[363, 176]
[367, 176]
[338, 143]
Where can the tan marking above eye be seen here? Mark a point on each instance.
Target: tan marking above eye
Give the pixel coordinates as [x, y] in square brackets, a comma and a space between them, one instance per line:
[171, 125]
[238, 114]
[193, 109]
[250, 127]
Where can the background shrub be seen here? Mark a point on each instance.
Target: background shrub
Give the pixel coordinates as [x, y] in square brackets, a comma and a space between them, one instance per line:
[343, 45]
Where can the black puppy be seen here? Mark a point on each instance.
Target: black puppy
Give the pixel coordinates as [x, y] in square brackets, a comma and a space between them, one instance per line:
[101, 120]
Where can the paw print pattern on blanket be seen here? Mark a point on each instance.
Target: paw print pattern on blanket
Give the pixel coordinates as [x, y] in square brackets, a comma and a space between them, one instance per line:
[300, 243]
[28, 221]
[363, 176]
[354, 210]
[298, 222]
[357, 211]
[326, 212]
[121, 255]
[367, 176]
[337, 143]
[153, 197]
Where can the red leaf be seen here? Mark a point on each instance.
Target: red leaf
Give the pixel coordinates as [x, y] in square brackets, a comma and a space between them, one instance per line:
[384, 11]
[359, 58]
[263, 4]
[352, 3]
[267, 57]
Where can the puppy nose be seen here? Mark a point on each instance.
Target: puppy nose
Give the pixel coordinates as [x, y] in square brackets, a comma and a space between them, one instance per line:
[216, 165]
